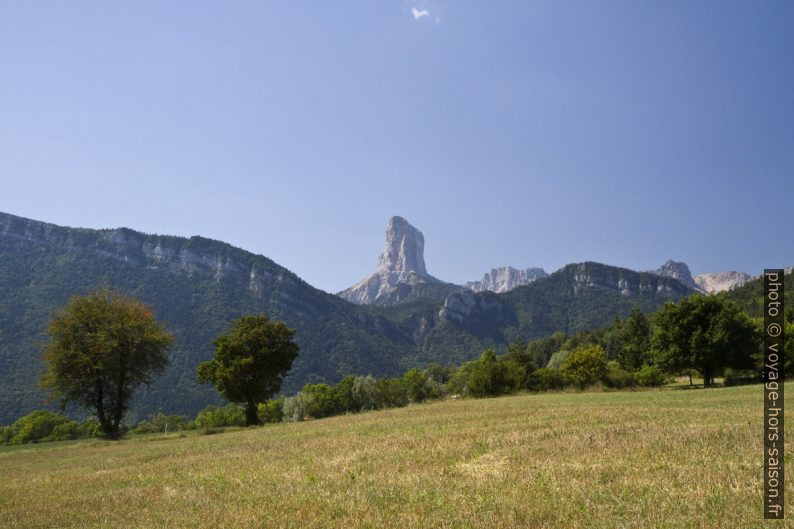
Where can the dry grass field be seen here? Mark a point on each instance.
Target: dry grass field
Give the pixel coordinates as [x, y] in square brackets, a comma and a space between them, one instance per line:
[672, 458]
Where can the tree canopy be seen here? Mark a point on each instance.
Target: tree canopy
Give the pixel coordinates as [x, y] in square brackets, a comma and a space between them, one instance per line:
[706, 333]
[250, 362]
[102, 347]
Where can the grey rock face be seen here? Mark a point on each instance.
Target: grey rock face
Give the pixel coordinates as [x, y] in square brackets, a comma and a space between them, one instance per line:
[465, 306]
[402, 262]
[679, 271]
[506, 278]
[721, 281]
[177, 255]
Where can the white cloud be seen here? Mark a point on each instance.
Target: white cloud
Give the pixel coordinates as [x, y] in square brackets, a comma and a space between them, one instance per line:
[419, 14]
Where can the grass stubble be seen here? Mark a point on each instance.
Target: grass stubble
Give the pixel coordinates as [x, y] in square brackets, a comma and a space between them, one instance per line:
[678, 459]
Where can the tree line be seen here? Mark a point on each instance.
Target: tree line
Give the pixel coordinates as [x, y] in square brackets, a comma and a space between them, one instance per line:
[104, 346]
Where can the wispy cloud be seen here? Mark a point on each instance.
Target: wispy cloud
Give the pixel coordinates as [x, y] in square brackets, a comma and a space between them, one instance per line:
[419, 14]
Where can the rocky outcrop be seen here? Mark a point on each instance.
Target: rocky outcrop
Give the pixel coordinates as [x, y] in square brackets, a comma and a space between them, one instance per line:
[678, 270]
[178, 255]
[721, 281]
[506, 278]
[709, 283]
[401, 263]
[466, 306]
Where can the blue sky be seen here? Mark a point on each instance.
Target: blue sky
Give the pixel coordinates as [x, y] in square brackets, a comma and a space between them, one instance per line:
[522, 133]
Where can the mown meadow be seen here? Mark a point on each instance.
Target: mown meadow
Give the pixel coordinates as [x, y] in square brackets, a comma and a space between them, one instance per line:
[682, 458]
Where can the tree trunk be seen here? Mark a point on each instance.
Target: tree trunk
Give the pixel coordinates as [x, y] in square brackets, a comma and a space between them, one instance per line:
[104, 423]
[690, 378]
[251, 415]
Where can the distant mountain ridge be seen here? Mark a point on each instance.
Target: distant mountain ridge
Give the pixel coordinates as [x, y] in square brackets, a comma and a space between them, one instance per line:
[708, 283]
[722, 281]
[506, 278]
[197, 286]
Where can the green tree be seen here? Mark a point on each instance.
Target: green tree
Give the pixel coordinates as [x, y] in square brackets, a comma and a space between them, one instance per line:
[320, 400]
[707, 333]
[416, 383]
[586, 365]
[250, 362]
[101, 348]
[635, 340]
[488, 376]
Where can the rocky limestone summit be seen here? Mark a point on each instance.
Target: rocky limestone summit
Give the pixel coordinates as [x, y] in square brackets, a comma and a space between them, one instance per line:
[708, 283]
[678, 270]
[721, 281]
[506, 278]
[401, 263]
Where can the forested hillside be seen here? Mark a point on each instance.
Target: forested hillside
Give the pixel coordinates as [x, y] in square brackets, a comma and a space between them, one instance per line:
[197, 286]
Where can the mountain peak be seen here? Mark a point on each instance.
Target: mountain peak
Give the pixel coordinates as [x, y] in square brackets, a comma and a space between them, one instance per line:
[404, 251]
[401, 263]
[678, 270]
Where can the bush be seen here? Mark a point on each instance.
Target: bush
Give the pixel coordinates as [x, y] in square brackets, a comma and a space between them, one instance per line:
[416, 385]
[488, 376]
[649, 376]
[35, 426]
[6, 434]
[160, 422]
[586, 365]
[546, 379]
[319, 400]
[67, 430]
[42, 426]
[423, 385]
[390, 393]
[293, 408]
[217, 417]
[617, 377]
[92, 427]
[271, 411]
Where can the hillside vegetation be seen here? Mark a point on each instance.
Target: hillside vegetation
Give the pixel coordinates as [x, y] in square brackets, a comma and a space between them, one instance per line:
[670, 458]
[197, 287]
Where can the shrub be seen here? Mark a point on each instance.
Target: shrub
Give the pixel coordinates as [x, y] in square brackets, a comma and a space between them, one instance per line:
[217, 417]
[271, 411]
[293, 408]
[319, 400]
[617, 377]
[488, 376]
[416, 385]
[160, 422]
[92, 427]
[390, 393]
[67, 430]
[586, 365]
[423, 385]
[365, 393]
[649, 376]
[35, 426]
[546, 379]
[6, 434]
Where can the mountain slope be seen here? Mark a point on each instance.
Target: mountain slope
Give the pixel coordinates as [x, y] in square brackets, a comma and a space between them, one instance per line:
[197, 286]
